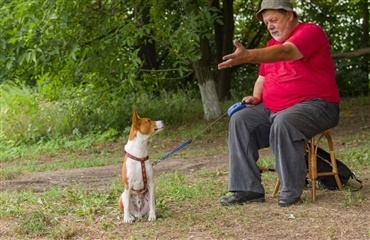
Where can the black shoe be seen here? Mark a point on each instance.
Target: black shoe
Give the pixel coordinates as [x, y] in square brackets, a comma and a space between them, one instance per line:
[286, 202]
[243, 197]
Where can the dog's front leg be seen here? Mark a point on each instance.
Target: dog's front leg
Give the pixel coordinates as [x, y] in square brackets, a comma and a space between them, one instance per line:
[151, 189]
[125, 198]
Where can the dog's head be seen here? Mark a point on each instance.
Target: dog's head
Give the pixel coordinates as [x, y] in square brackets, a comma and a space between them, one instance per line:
[144, 126]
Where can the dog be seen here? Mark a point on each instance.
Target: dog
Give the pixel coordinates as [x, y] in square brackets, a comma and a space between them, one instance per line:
[138, 197]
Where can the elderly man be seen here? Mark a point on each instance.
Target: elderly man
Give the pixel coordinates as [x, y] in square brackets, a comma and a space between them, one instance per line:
[295, 97]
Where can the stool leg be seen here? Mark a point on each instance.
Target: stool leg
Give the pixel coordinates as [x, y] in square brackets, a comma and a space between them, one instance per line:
[333, 160]
[312, 171]
[277, 187]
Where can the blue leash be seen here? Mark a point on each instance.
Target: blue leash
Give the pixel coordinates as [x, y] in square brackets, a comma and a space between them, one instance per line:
[176, 149]
[234, 108]
[182, 145]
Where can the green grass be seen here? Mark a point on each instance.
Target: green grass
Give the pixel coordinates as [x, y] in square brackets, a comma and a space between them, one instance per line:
[42, 214]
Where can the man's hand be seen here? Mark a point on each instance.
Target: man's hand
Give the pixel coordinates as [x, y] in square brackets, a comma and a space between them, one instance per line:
[236, 58]
[284, 52]
[252, 100]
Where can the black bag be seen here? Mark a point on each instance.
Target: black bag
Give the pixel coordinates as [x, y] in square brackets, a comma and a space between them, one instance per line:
[324, 165]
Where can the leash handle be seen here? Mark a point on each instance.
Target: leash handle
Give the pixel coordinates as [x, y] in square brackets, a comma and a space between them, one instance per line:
[236, 107]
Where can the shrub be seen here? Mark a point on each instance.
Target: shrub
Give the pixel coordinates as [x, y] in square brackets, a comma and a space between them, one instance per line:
[27, 117]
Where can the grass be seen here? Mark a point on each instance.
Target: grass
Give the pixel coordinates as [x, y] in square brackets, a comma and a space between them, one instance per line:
[43, 214]
[68, 160]
[188, 206]
[187, 201]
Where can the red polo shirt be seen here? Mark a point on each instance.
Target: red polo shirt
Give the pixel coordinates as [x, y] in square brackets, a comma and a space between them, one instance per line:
[290, 82]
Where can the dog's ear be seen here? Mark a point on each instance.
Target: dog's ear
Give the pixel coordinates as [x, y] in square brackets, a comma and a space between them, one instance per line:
[135, 125]
[135, 119]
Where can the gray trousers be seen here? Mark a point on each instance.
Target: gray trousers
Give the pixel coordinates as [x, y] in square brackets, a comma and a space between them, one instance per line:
[256, 127]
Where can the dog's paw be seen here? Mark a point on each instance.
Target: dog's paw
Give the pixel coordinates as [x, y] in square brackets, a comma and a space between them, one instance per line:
[152, 217]
[128, 218]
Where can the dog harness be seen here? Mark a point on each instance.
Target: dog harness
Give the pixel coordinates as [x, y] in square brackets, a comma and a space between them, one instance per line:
[143, 170]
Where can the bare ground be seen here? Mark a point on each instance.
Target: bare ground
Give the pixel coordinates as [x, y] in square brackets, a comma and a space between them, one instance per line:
[100, 177]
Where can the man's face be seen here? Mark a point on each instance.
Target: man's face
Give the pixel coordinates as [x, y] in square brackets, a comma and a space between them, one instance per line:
[279, 25]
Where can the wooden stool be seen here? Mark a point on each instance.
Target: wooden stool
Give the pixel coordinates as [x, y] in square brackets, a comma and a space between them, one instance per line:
[312, 174]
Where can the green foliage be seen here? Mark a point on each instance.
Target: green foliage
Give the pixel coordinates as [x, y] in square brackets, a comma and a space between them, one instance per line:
[243, 81]
[74, 68]
[350, 76]
[57, 44]
[81, 117]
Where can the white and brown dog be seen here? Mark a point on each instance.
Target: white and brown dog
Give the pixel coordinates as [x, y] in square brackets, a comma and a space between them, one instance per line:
[137, 171]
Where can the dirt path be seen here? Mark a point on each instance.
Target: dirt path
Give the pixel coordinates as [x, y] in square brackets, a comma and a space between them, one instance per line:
[100, 178]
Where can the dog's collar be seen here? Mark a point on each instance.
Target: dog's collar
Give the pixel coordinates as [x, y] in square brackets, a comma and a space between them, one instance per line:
[136, 158]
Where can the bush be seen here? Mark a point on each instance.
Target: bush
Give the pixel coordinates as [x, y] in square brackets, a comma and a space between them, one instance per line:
[27, 117]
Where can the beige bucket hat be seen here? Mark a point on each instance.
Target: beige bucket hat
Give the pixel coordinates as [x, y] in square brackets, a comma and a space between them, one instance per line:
[275, 4]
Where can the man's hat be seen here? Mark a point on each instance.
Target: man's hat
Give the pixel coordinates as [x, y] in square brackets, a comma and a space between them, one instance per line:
[275, 4]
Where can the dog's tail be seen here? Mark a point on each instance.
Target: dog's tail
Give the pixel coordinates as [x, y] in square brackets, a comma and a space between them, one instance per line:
[263, 169]
[120, 204]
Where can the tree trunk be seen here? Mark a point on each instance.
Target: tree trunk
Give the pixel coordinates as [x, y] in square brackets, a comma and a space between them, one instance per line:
[148, 53]
[224, 45]
[210, 101]
[365, 42]
[203, 73]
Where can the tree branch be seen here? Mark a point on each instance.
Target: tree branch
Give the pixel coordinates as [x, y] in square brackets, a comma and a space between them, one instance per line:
[101, 36]
[356, 53]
